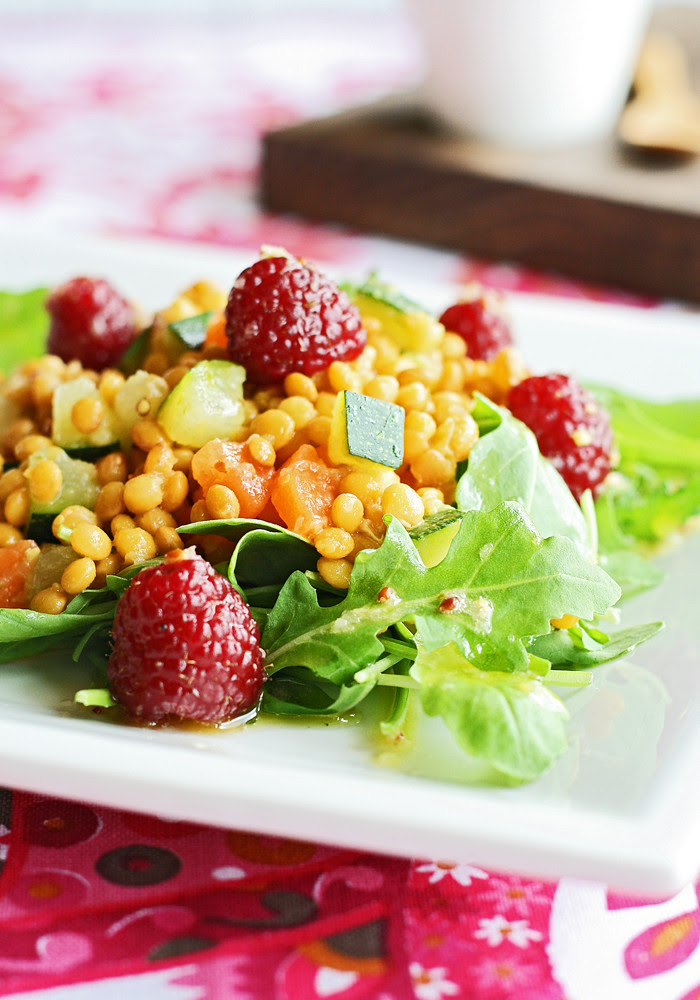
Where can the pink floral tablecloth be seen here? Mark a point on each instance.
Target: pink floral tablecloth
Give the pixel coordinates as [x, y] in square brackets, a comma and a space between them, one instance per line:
[150, 126]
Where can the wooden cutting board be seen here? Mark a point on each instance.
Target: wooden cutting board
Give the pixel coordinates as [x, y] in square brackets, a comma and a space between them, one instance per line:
[594, 213]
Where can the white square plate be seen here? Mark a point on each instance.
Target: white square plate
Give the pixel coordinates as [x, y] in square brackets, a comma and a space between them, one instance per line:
[621, 807]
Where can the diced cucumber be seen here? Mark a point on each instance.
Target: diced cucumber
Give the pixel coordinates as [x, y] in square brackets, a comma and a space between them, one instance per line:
[186, 334]
[139, 398]
[207, 403]
[366, 432]
[433, 536]
[64, 432]
[80, 486]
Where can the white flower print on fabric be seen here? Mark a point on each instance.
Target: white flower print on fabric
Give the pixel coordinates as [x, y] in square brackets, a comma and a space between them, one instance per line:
[431, 984]
[495, 930]
[461, 873]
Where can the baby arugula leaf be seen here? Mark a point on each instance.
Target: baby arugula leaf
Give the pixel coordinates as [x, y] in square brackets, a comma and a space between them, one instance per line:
[506, 464]
[265, 555]
[498, 584]
[664, 436]
[568, 647]
[297, 691]
[510, 720]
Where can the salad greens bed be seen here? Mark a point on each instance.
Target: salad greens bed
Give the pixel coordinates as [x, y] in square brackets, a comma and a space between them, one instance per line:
[469, 638]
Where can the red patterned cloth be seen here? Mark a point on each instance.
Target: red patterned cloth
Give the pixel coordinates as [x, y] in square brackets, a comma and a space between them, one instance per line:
[150, 126]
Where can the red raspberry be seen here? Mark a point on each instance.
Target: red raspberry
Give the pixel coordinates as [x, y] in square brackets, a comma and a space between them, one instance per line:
[571, 428]
[90, 321]
[483, 330]
[284, 317]
[184, 645]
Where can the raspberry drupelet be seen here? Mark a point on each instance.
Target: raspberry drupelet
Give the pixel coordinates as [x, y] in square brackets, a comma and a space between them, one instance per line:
[185, 645]
[283, 316]
[571, 428]
[484, 330]
[90, 322]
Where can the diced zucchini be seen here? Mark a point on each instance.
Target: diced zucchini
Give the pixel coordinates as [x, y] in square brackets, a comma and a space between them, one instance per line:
[207, 403]
[403, 321]
[80, 486]
[64, 432]
[433, 536]
[366, 432]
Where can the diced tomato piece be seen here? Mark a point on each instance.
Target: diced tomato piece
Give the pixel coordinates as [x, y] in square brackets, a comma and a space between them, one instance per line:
[230, 463]
[304, 491]
[16, 563]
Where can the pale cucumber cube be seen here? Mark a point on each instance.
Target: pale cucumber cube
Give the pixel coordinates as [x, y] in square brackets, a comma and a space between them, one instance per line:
[138, 399]
[207, 403]
[64, 432]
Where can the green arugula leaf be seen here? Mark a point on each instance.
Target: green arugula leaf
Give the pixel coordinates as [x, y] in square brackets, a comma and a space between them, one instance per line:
[565, 646]
[297, 691]
[656, 487]
[265, 555]
[24, 325]
[510, 720]
[664, 436]
[506, 464]
[498, 583]
[631, 571]
[25, 633]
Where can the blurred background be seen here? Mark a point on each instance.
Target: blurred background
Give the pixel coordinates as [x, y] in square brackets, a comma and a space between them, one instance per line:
[146, 118]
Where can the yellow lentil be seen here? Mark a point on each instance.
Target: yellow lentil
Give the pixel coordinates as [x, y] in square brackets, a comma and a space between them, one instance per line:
[91, 541]
[78, 575]
[318, 430]
[261, 450]
[384, 387]
[147, 433]
[222, 502]
[87, 415]
[403, 503]
[134, 545]
[175, 489]
[143, 493]
[335, 572]
[9, 534]
[154, 519]
[29, 444]
[300, 409]
[334, 543]
[167, 539]
[432, 467]
[50, 601]
[110, 501]
[275, 424]
[109, 384]
[122, 522]
[347, 512]
[342, 375]
[297, 384]
[11, 480]
[45, 480]
[325, 404]
[17, 507]
[111, 468]
[160, 460]
[108, 566]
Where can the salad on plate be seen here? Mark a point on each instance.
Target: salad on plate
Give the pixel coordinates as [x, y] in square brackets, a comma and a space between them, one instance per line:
[292, 497]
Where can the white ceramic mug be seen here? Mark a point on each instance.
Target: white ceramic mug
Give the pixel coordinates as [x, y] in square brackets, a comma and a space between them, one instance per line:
[530, 73]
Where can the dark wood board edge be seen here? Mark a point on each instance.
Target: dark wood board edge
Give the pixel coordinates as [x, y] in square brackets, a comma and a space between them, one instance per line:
[313, 170]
